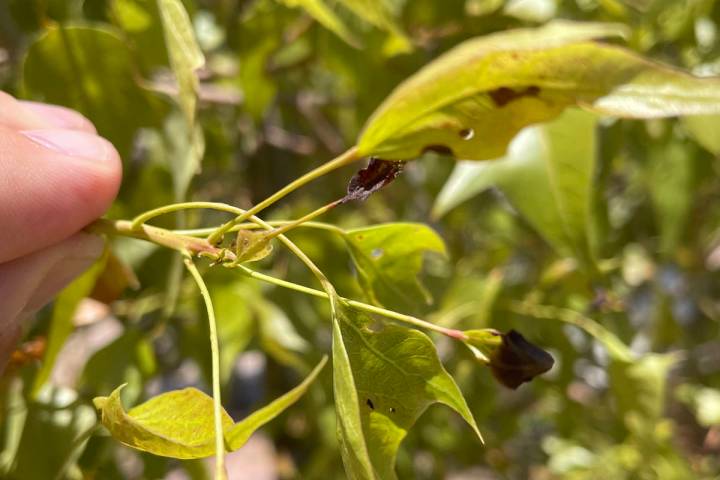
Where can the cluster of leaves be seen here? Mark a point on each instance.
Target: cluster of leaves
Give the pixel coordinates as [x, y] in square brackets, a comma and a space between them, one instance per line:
[578, 234]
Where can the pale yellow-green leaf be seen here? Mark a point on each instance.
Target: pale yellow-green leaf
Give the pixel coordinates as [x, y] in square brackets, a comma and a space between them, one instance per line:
[473, 100]
[179, 423]
[184, 52]
[381, 14]
[326, 17]
[704, 129]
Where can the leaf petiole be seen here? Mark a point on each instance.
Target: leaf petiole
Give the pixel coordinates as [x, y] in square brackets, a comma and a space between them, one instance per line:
[343, 159]
[203, 232]
[220, 471]
[400, 317]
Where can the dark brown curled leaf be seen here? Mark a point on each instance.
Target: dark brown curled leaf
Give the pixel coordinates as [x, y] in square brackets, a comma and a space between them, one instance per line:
[517, 361]
[372, 178]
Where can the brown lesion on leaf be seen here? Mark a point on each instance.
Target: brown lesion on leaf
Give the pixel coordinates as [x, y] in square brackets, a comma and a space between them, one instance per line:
[372, 178]
[504, 95]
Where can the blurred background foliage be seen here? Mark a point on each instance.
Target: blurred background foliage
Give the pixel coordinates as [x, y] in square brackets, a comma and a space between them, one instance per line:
[587, 222]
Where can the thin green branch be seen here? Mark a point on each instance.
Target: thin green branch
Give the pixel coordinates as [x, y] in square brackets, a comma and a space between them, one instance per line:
[343, 159]
[220, 471]
[176, 207]
[204, 232]
[159, 236]
[414, 321]
[300, 221]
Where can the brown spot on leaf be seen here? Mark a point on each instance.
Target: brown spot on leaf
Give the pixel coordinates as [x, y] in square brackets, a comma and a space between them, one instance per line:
[372, 178]
[504, 95]
[517, 361]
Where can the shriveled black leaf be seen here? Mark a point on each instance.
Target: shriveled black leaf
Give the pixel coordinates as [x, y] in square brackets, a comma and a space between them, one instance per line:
[372, 178]
[517, 361]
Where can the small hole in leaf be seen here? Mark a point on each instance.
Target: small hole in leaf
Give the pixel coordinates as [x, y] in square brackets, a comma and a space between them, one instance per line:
[467, 133]
[392, 409]
[377, 253]
[369, 403]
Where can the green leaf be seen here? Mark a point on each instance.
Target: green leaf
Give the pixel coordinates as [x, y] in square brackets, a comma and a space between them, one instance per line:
[472, 101]
[319, 10]
[232, 299]
[179, 424]
[184, 52]
[174, 424]
[53, 435]
[187, 143]
[380, 14]
[260, 35]
[670, 182]
[385, 376]
[704, 128]
[140, 21]
[92, 71]
[61, 322]
[389, 258]
[547, 175]
[639, 386]
[251, 246]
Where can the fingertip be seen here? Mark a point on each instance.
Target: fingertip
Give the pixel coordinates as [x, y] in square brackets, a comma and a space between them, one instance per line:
[59, 117]
[93, 165]
[56, 183]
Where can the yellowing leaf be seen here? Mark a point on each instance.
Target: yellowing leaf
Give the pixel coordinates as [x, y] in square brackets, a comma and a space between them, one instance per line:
[179, 424]
[389, 258]
[472, 101]
[175, 424]
[385, 376]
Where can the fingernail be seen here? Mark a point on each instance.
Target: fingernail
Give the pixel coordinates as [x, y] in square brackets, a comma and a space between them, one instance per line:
[71, 142]
[59, 117]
